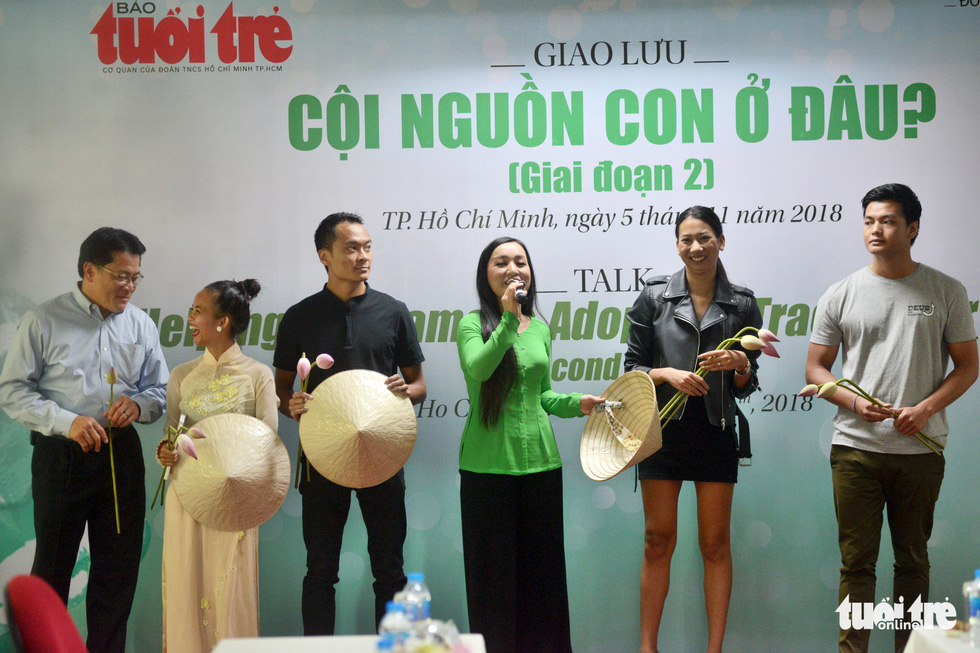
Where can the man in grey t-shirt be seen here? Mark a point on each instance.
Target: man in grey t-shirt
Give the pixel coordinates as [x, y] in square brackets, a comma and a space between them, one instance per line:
[898, 323]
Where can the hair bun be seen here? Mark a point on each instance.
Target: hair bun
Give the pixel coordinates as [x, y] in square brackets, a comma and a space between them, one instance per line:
[250, 287]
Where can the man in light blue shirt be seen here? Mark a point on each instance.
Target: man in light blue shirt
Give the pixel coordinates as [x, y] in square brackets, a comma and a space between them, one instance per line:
[55, 382]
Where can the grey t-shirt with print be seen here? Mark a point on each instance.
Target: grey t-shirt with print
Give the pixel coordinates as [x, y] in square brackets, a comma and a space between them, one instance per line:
[893, 335]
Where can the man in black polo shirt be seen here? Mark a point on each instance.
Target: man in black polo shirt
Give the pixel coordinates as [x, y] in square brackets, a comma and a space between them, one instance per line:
[362, 329]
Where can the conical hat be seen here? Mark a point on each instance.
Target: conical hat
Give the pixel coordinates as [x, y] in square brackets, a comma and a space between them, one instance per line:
[240, 477]
[357, 433]
[632, 413]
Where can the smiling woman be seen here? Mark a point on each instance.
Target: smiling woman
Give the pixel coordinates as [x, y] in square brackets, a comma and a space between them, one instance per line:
[204, 325]
[199, 561]
[674, 325]
[510, 468]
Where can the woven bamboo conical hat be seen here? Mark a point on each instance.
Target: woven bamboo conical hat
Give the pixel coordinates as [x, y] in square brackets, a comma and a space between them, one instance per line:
[240, 477]
[356, 432]
[637, 421]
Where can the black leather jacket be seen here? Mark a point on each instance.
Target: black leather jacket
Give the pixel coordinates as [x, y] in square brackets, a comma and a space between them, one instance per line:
[664, 332]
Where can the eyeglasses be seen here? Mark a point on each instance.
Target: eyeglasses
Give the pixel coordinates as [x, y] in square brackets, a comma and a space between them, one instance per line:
[123, 279]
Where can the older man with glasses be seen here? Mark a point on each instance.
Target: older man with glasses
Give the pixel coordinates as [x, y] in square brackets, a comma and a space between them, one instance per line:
[54, 381]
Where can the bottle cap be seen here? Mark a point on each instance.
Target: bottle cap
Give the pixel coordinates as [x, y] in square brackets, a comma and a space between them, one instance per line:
[394, 606]
[418, 576]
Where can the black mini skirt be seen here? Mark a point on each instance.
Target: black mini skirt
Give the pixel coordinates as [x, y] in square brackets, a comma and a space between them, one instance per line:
[693, 450]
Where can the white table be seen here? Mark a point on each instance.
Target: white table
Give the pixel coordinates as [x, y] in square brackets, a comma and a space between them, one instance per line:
[936, 640]
[336, 644]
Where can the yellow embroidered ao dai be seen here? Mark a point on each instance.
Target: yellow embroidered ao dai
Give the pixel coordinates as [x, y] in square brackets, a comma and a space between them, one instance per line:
[210, 577]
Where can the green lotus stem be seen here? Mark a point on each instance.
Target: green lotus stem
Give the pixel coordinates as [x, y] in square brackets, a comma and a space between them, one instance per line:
[157, 493]
[299, 464]
[677, 401]
[303, 369]
[171, 433]
[115, 495]
[112, 378]
[922, 437]
[680, 398]
[674, 407]
[745, 331]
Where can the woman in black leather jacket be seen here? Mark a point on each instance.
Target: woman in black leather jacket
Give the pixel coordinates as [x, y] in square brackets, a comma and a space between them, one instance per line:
[674, 326]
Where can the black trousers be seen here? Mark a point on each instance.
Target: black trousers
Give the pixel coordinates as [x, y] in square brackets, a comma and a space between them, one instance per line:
[514, 557]
[325, 509]
[72, 488]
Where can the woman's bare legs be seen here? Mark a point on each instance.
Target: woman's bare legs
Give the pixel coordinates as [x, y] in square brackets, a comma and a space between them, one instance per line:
[660, 513]
[714, 539]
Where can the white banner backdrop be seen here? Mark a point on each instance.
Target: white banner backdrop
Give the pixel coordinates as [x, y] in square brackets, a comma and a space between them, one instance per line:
[221, 133]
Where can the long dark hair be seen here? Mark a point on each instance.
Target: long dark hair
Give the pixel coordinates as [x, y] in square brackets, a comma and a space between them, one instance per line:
[494, 391]
[710, 218]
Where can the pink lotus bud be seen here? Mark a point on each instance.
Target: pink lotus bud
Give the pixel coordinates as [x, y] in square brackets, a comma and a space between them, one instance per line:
[827, 389]
[187, 445]
[303, 368]
[767, 336]
[196, 433]
[752, 343]
[769, 350]
[809, 390]
[111, 377]
[324, 361]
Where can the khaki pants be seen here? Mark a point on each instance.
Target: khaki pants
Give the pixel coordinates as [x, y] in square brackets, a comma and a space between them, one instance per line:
[865, 483]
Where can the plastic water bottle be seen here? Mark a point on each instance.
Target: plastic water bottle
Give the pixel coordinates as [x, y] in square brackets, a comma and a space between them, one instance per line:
[386, 644]
[965, 615]
[973, 603]
[418, 599]
[395, 625]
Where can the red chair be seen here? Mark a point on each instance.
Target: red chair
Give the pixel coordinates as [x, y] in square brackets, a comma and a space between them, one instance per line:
[39, 622]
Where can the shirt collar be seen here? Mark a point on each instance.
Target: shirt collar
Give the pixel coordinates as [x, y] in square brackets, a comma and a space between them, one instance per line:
[87, 305]
[677, 288]
[356, 299]
[228, 356]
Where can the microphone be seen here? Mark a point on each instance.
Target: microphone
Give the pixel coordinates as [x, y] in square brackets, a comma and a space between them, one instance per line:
[521, 296]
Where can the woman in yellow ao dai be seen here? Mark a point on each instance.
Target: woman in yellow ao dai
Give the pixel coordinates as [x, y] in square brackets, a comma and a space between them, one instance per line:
[211, 577]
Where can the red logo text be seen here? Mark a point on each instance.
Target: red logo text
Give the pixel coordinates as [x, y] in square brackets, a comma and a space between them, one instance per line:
[142, 39]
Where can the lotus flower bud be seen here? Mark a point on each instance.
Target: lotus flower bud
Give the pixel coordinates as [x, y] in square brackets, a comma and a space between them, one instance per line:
[827, 389]
[324, 361]
[752, 343]
[767, 336]
[187, 445]
[111, 377]
[303, 367]
[809, 390]
[770, 350]
[196, 433]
